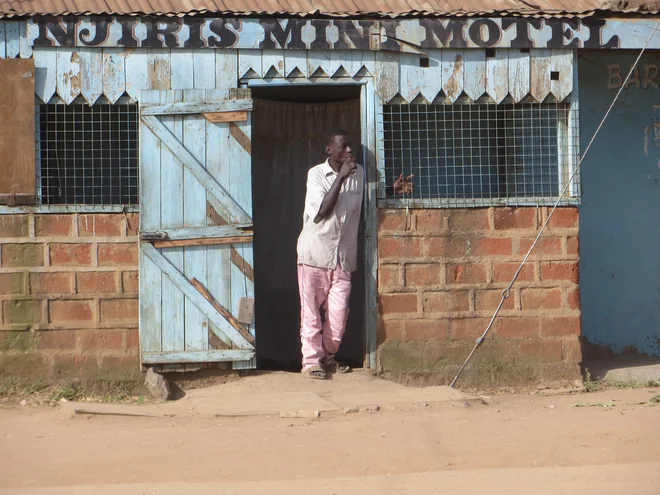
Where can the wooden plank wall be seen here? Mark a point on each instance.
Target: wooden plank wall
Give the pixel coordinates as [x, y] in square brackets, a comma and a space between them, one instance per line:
[509, 74]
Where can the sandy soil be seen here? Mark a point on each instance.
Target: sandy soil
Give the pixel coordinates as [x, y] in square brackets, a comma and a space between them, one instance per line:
[39, 448]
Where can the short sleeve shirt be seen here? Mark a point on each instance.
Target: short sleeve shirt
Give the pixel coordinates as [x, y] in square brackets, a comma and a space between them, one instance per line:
[333, 239]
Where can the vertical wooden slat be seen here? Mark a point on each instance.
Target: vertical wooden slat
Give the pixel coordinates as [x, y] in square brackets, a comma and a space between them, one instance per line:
[151, 339]
[336, 62]
[474, 73]
[91, 74]
[346, 61]
[430, 80]
[171, 208]
[137, 78]
[272, 64]
[114, 73]
[226, 69]
[45, 63]
[319, 62]
[194, 208]
[240, 188]
[24, 48]
[12, 37]
[204, 69]
[150, 200]
[3, 41]
[159, 68]
[562, 64]
[386, 74]
[368, 127]
[68, 74]
[368, 59]
[497, 77]
[218, 263]
[295, 63]
[452, 74]
[519, 74]
[182, 68]
[540, 86]
[249, 64]
[409, 76]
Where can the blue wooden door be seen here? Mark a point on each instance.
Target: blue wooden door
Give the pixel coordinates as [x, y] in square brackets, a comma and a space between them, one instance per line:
[195, 227]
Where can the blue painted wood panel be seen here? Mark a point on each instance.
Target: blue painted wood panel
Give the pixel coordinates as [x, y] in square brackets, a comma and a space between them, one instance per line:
[619, 228]
[194, 174]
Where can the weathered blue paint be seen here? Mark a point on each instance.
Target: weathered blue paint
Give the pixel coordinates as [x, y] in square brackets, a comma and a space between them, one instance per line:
[620, 212]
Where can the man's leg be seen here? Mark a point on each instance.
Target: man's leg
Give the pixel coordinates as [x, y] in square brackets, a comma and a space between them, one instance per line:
[336, 312]
[313, 284]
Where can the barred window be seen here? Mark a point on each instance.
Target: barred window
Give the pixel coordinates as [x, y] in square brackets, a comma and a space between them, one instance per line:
[479, 154]
[88, 154]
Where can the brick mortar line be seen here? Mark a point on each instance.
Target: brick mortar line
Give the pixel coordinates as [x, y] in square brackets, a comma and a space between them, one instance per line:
[70, 239]
[111, 296]
[70, 269]
[69, 325]
[442, 318]
[458, 233]
[75, 231]
[75, 352]
[527, 284]
[548, 258]
[95, 254]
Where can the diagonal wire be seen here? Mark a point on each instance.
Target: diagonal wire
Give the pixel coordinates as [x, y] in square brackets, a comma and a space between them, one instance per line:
[506, 293]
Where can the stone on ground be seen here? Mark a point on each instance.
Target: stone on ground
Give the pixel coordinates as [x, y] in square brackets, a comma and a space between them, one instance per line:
[157, 385]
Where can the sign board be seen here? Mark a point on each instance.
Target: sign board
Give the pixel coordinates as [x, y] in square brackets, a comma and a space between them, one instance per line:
[324, 34]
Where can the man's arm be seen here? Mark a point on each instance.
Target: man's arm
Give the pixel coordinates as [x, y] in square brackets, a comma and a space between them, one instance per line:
[330, 198]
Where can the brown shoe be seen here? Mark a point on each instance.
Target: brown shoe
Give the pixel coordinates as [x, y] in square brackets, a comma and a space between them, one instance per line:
[334, 366]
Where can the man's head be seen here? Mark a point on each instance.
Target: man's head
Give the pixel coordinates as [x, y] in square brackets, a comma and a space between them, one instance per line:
[338, 145]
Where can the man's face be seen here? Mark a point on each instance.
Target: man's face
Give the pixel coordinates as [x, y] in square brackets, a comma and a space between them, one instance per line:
[339, 149]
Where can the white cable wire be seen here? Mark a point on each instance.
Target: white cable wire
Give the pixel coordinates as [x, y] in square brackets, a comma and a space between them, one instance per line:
[507, 292]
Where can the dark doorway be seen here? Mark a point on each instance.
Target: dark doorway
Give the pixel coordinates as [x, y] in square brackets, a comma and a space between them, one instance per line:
[288, 132]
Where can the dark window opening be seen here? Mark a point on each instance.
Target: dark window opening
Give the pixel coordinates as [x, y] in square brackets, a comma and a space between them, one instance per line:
[477, 151]
[89, 154]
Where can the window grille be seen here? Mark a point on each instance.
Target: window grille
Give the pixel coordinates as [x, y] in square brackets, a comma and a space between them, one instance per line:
[88, 154]
[479, 154]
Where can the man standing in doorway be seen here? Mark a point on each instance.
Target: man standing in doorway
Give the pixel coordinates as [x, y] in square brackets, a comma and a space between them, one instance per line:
[327, 252]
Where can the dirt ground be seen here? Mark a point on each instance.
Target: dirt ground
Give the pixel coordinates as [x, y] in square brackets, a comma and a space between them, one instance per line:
[602, 443]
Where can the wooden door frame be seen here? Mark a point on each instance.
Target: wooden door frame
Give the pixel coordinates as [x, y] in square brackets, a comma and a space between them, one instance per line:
[368, 101]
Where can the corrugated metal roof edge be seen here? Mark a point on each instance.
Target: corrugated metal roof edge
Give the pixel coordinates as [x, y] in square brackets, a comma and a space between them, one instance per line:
[361, 15]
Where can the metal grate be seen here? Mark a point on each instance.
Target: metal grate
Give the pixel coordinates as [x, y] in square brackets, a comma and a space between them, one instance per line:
[479, 154]
[88, 154]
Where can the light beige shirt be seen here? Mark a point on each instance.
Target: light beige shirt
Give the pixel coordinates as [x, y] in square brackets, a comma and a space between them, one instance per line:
[333, 239]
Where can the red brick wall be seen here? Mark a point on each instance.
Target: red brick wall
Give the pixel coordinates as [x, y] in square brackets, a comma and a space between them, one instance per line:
[68, 295]
[440, 278]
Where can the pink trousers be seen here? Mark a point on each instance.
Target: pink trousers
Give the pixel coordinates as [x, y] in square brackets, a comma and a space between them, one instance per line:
[327, 290]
